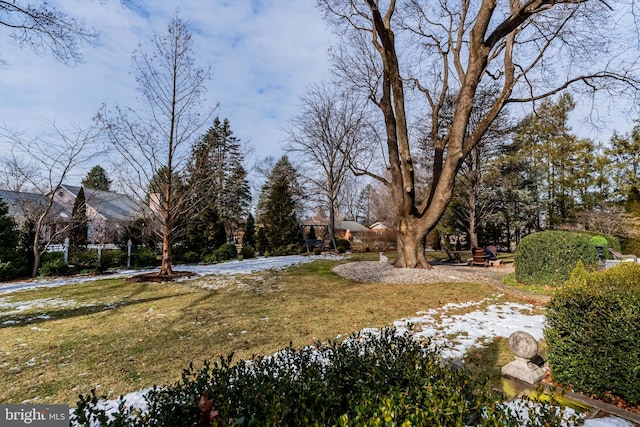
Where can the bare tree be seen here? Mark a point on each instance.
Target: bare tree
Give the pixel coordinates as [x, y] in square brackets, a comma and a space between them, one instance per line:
[154, 140]
[41, 164]
[42, 27]
[450, 48]
[328, 135]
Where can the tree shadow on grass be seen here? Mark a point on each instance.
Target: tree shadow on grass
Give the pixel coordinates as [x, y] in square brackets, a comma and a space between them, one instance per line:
[17, 320]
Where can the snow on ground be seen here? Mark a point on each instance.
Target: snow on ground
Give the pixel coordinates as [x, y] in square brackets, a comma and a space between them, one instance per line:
[232, 267]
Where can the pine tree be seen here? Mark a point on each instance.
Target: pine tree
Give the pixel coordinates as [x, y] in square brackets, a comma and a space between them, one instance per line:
[278, 207]
[218, 176]
[11, 263]
[97, 179]
[79, 221]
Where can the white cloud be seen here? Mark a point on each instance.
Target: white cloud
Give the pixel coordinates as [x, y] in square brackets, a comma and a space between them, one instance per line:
[262, 54]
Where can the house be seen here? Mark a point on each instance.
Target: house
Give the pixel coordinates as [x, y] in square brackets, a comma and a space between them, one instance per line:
[108, 212]
[24, 205]
[378, 227]
[351, 230]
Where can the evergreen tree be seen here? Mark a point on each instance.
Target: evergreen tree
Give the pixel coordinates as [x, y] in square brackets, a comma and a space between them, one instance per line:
[11, 263]
[249, 239]
[205, 233]
[79, 221]
[220, 179]
[632, 205]
[97, 179]
[278, 207]
[624, 154]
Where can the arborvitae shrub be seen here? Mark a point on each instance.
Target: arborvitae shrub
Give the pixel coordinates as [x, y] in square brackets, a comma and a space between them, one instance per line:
[593, 335]
[372, 380]
[548, 257]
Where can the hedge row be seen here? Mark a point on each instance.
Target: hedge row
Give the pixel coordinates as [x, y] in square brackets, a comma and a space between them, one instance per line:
[593, 334]
[548, 257]
[375, 380]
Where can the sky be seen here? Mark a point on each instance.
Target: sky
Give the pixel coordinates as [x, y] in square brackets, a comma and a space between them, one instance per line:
[263, 54]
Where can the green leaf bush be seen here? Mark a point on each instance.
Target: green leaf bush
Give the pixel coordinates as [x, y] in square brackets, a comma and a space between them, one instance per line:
[381, 379]
[145, 258]
[593, 335]
[248, 252]
[548, 257]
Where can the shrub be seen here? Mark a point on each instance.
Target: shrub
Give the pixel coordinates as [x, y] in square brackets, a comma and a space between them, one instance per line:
[317, 251]
[592, 332]
[547, 258]
[384, 379]
[599, 241]
[248, 252]
[225, 252]
[190, 257]
[344, 243]
[145, 258]
[83, 258]
[55, 267]
[114, 258]
[341, 249]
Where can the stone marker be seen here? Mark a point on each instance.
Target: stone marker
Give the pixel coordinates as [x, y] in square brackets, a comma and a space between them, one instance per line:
[524, 347]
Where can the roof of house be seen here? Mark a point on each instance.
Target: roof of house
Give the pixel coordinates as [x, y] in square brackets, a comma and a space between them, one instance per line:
[352, 226]
[379, 224]
[17, 201]
[109, 204]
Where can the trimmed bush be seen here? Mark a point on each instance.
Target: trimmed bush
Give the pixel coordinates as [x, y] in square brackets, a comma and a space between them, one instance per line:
[548, 257]
[226, 252]
[599, 241]
[592, 332]
[375, 380]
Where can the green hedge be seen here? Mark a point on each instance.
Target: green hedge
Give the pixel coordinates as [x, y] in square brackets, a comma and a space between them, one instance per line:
[548, 257]
[593, 334]
[375, 380]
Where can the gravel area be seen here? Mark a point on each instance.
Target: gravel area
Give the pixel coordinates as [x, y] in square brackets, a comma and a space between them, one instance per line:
[377, 272]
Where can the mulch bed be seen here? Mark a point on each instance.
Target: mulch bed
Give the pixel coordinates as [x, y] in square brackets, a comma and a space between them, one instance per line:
[156, 277]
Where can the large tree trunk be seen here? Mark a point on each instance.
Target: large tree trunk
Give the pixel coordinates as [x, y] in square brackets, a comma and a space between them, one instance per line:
[410, 241]
[473, 233]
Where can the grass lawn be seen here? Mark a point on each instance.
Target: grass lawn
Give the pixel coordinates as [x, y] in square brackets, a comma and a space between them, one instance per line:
[119, 337]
